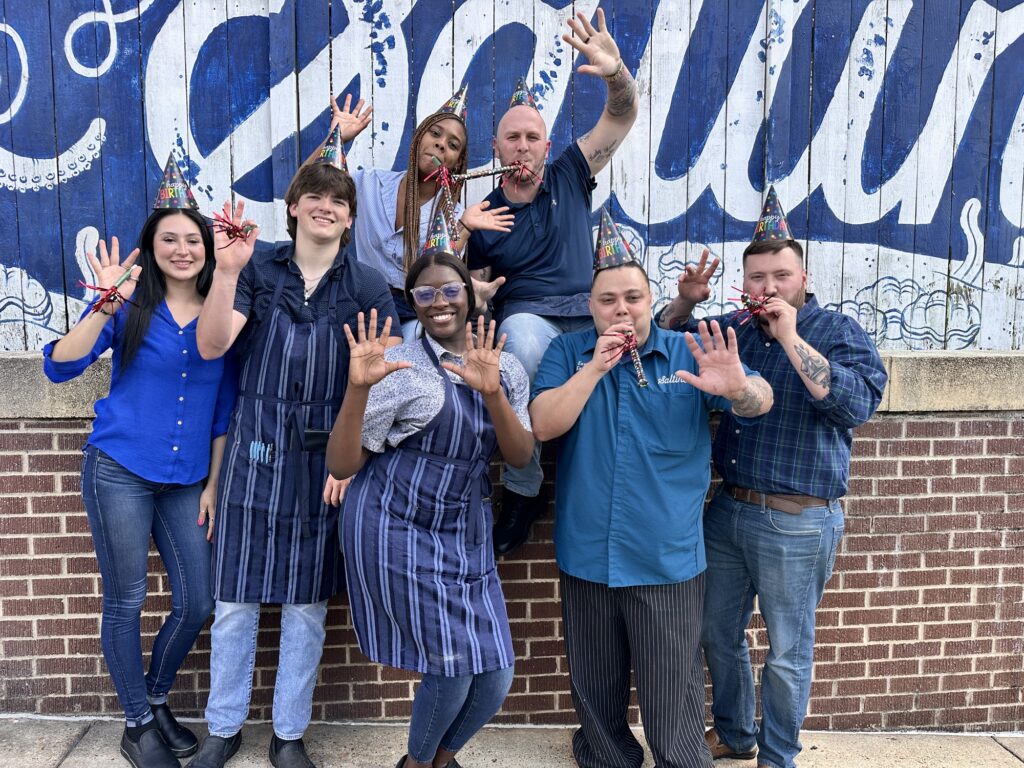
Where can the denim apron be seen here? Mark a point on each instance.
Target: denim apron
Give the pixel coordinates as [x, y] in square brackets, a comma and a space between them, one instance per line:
[275, 540]
[416, 533]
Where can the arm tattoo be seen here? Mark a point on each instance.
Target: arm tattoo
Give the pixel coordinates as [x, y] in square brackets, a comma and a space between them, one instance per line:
[621, 95]
[814, 367]
[603, 155]
[751, 401]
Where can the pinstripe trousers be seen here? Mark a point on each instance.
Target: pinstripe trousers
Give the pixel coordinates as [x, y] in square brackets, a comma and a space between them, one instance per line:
[656, 630]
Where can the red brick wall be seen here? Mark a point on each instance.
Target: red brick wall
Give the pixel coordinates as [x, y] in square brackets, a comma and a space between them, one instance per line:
[922, 625]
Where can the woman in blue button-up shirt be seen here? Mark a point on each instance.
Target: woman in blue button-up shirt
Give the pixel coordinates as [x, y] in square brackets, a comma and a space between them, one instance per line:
[156, 437]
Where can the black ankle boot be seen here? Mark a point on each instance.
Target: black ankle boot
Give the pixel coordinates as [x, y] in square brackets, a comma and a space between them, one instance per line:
[148, 751]
[289, 754]
[215, 751]
[517, 516]
[181, 741]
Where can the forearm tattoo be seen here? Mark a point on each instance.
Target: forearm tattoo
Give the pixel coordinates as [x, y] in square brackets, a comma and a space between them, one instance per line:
[621, 94]
[603, 154]
[751, 401]
[814, 366]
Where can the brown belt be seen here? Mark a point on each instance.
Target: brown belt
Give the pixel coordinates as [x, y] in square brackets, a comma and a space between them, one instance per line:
[791, 504]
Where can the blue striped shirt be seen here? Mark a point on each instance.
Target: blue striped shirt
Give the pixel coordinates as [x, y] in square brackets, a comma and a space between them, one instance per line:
[802, 445]
[165, 408]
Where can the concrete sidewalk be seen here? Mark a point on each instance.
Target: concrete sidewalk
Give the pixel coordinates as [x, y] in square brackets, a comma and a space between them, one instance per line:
[49, 743]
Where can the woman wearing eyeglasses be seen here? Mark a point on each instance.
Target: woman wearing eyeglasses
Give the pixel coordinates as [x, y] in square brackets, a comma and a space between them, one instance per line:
[418, 428]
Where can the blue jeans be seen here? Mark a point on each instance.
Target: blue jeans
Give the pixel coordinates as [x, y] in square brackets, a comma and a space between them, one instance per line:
[448, 711]
[528, 339]
[233, 656]
[785, 561]
[124, 511]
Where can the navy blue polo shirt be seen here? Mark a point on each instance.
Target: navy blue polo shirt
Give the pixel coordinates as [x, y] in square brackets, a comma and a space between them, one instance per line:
[634, 469]
[547, 259]
[362, 288]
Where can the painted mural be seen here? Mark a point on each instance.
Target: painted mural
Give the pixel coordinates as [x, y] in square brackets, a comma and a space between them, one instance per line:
[893, 131]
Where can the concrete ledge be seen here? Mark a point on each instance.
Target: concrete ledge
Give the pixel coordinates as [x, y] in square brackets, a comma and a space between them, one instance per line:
[935, 382]
[919, 382]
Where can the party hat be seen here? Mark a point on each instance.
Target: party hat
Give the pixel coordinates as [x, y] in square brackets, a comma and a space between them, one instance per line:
[612, 249]
[438, 238]
[456, 105]
[521, 96]
[174, 192]
[772, 226]
[333, 152]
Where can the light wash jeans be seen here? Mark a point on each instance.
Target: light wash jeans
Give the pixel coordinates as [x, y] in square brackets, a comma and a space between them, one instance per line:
[528, 339]
[785, 560]
[448, 711]
[124, 511]
[233, 657]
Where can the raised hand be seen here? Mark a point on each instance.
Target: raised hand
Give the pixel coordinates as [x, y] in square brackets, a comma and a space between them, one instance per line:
[485, 291]
[694, 284]
[234, 253]
[366, 364]
[352, 121]
[596, 44]
[108, 269]
[482, 370]
[481, 216]
[721, 372]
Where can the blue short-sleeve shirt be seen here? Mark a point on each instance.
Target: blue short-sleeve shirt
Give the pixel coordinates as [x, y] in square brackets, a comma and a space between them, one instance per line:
[547, 259]
[634, 469]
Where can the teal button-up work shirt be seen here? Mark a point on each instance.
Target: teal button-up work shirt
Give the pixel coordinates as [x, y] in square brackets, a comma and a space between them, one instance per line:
[634, 469]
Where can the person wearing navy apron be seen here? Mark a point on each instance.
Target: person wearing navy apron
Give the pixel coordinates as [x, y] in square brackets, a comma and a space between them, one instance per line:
[418, 428]
[276, 540]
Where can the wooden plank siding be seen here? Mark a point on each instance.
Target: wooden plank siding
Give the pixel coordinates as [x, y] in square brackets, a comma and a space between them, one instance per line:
[893, 131]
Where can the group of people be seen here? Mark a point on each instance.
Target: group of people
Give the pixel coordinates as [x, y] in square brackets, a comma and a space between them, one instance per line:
[286, 425]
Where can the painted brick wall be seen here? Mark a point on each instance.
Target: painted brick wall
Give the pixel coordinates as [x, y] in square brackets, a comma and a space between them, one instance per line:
[922, 625]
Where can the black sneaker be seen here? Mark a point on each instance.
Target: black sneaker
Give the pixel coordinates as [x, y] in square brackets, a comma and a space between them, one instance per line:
[150, 751]
[180, 739]
[289, 754]
[517, 516]
[215, 751]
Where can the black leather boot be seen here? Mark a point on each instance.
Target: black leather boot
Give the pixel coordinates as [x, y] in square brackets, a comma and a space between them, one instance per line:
[180, 739]
[149, 751]
[215, 751]
[289, 754]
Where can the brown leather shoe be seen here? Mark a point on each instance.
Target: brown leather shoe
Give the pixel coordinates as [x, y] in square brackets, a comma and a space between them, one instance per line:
[720, 749]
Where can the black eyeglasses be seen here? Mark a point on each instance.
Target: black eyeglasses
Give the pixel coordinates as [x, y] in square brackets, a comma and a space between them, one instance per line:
[425, 295]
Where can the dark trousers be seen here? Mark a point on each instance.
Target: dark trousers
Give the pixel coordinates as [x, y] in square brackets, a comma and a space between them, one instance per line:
[656, 630]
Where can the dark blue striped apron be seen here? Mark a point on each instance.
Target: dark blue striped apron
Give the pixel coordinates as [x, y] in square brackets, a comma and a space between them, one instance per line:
[275, 540]
[419, 560]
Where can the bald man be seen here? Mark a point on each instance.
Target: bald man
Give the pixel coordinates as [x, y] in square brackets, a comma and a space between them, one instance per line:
[546, 260]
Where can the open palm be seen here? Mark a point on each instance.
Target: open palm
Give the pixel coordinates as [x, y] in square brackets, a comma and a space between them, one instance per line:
[718, 362]
[367, 364]
[482, 362]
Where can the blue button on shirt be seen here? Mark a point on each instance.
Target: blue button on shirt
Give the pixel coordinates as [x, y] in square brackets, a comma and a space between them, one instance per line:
[165, 408]
[802, 445]
[634, 469]
[548, 257]
[375, 241]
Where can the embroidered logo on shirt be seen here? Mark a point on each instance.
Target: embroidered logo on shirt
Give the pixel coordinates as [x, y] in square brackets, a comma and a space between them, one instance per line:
[673, 379]
[260, 451]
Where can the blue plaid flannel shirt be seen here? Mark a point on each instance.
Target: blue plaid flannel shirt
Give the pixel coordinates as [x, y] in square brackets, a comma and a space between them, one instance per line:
[802, 445]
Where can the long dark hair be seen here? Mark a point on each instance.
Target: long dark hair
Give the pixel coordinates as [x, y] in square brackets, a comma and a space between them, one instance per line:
[411, 235]
[152, 286]
[441, 260]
